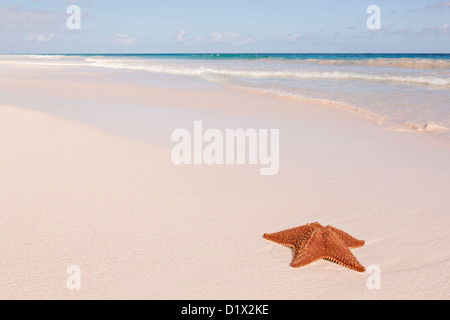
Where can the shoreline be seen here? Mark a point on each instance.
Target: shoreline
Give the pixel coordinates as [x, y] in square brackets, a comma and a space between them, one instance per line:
[93, 185]
[141, 88]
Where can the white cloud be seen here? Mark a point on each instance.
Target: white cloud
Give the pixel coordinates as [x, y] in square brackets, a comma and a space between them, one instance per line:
[199, 39]
[17, 19]
[445, 28]
[41, 37]
[232, 38]
[122, 40]
[297, 36]
[293, 37]
[435, 30]
[181, 37]
[441, 5]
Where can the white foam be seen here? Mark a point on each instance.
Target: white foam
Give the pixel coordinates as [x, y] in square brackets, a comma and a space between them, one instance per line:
[400, 63]
[296, 74]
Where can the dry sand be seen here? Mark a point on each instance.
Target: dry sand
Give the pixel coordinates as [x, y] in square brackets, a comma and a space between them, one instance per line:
[87, 180]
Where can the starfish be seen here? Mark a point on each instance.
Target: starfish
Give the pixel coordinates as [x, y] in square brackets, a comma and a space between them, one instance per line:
[313, 242]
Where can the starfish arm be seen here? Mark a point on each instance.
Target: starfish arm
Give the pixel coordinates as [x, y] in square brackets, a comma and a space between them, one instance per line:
[289, 237]
[336, 251]
[349, 241]
[307, 250]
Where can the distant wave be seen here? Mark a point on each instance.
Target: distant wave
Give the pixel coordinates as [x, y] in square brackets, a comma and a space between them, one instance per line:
[404, 63]
[362, 87]
[297, 74]
[435, 129]
[343, 106]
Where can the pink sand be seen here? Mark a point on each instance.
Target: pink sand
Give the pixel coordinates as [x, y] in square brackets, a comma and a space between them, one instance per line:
[107, 198]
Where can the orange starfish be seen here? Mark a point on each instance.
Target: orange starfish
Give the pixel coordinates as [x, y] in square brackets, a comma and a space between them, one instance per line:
[313, 242]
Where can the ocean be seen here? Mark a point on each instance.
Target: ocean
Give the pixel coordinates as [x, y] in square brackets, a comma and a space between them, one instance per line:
[403, 92]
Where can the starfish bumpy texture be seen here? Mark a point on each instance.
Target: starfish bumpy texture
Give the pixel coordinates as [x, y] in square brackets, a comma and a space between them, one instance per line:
[313, 242]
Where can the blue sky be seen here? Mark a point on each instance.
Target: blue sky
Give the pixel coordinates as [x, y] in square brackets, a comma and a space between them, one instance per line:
[185, 26]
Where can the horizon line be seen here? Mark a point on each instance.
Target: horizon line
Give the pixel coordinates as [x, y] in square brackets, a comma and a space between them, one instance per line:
[238, 53]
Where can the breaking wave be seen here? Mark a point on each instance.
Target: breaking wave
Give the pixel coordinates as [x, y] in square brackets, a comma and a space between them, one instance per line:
[295, 74]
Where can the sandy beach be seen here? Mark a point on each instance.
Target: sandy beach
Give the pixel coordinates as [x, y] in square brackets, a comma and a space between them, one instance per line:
[87, 180]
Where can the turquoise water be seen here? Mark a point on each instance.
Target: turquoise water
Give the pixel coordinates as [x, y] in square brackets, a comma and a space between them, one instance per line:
[280, 56]
[405, 92]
